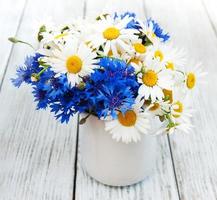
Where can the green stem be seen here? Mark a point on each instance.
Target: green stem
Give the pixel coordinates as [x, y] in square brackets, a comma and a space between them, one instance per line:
[83, 120]
[42, 71]
[180, 72]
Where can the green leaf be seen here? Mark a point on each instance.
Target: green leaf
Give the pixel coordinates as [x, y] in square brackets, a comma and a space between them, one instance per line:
[99, 17]
[145, 40]
[65, 28]
[42, 29]
[162, 118]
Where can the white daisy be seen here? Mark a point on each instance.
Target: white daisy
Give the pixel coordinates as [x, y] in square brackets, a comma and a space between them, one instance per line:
[60, 34]
[154, 79]
[194, 76]
[180, 118]
[56, 36]
[170, 57]
[51, 40]
[159, 108]
[112, 34]
[147, 28]
[137, 55]
[128, 127]
[185, 127]
[42, 22]
[191, 76]
[74, 59]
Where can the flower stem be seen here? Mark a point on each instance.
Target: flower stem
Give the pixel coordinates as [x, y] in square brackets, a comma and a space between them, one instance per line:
[15, 40]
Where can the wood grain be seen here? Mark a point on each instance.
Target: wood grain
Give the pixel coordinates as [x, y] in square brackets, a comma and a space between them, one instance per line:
[161, 184]
[11, 11]
[194, 154]
[37, 153]
[210, 9]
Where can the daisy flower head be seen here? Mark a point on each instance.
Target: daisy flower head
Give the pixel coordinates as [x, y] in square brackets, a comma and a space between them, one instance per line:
[153, 31]
[74, 59]
[170, 57]
[194, 76]
[42, 24]
[178, 118]
[153, 80]
[189, 78]
[158, 108]
[137, 55]
[130, 125]
[181, 114]
[112, 34]
[60, 34]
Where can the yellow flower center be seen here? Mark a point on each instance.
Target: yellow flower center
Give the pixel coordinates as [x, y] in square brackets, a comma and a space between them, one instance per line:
[168, 94]
[111, 33]
[179, 109]
[134, 60]
[139, 48]
[154, 107]
[191, 80]
[158, 54]
[150, 78]
[61, 35]
[73, 64]
[170, 65]
[128, 119]
[110, 54]
[151, 34]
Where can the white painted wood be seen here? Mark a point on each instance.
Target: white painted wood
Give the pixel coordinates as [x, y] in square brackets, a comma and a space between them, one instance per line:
[195, 153]
[10, 16]
[210, 7]
[37, 154]
[160, 184]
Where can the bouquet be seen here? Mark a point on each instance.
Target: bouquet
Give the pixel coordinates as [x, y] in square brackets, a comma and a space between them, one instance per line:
[122, 70]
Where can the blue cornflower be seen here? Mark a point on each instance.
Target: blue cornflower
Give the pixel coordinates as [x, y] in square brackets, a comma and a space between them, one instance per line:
[31, 62]
[133, 23]
[55, 85]
[114, 98]
[63, 106]
[158, 31]
[24, 73]
[111, 88]
[41, 94]
[58, 86]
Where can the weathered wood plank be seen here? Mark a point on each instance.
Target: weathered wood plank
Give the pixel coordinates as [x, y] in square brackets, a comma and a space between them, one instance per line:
[37, 153]
[210, 8]
[160, 185]
[10, 17]
[194, 154]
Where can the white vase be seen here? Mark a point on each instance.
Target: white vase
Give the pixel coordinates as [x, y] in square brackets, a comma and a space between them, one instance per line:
[115, 163]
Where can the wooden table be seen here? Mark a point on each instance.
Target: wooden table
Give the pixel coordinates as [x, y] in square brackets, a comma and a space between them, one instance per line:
[39, 157]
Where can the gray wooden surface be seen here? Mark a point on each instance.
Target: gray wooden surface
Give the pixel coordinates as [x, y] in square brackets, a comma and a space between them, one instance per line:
[39, 157]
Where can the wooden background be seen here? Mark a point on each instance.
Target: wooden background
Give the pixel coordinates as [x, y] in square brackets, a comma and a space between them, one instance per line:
[39, 157]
